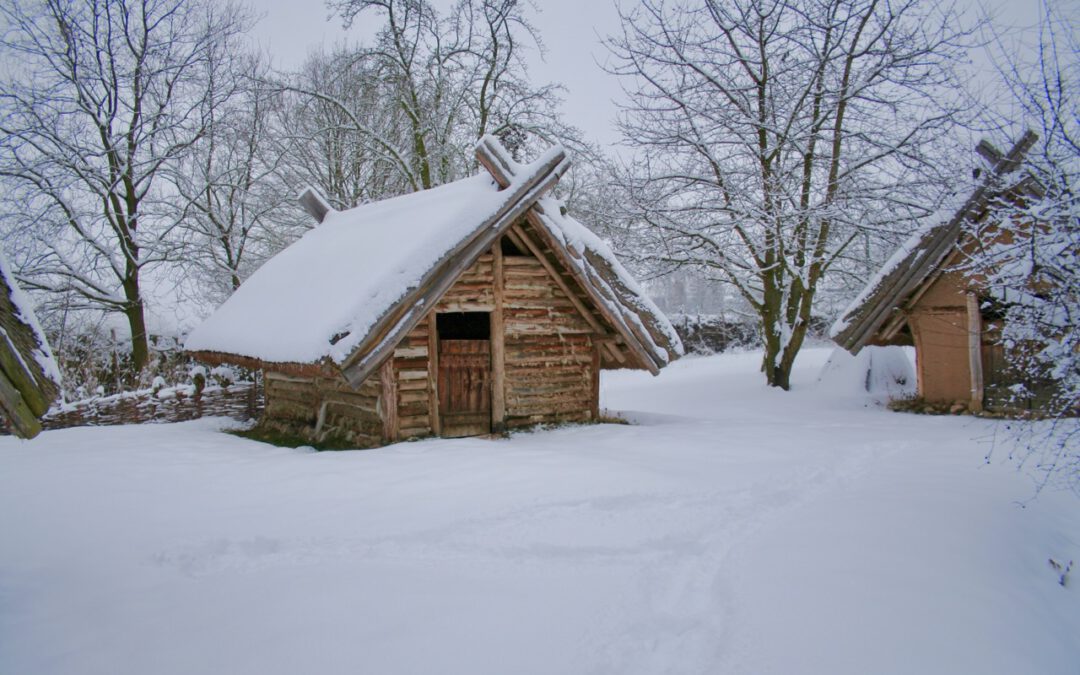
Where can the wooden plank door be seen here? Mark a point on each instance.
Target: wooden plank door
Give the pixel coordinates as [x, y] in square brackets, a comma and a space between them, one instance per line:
[465, 387]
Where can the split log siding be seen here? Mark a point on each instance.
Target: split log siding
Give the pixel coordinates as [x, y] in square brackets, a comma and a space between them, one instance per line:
[548, 349]
[412, 365]
[474, 290]
[317, 408]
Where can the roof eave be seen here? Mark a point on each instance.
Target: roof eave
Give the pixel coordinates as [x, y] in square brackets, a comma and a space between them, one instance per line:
[324, 368]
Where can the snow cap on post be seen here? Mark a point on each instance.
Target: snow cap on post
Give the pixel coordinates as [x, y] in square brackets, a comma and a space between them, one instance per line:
[496, 160]
[314, 203]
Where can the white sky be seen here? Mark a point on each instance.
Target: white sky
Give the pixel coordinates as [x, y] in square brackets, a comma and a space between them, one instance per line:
[570, 29]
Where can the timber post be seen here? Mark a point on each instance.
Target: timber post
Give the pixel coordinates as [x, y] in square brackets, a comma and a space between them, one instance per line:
[388, 406]
[974, 331]
[498, 348]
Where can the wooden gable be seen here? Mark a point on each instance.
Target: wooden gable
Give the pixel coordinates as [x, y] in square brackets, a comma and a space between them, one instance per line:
[544, 347]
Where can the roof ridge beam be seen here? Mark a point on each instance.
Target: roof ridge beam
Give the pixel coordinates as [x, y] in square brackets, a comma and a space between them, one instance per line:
[496, 160]
[314, 203]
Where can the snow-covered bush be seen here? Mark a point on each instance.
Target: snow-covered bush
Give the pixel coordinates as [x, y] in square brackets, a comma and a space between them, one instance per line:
[198, 378]
[223, 376]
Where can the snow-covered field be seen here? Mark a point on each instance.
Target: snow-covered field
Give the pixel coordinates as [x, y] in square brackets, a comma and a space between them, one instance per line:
[734, 529]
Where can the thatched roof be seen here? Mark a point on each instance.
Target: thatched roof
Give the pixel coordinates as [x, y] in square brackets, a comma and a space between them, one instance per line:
[345, 293]
[924, 254]
[29, 377]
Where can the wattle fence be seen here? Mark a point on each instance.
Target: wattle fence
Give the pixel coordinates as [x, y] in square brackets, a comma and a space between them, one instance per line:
[240, 400]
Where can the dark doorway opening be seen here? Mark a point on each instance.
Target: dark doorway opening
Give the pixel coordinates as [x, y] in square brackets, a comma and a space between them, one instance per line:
[464, 325]
[464, 373]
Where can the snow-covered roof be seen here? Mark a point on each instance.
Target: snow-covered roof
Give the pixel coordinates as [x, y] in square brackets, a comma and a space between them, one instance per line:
[616, 288]
[341, 276]
[352, 286]
[924, 252]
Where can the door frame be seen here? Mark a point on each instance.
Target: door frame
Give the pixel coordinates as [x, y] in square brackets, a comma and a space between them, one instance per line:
[437, 364]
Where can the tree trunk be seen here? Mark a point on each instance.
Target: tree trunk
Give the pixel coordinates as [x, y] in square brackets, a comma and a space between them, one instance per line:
[775, 363]
[134, 310]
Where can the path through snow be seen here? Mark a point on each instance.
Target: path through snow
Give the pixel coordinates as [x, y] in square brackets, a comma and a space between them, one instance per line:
[733, 529]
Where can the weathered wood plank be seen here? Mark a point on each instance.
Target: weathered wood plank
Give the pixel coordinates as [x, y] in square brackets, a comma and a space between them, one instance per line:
[433, 374]
[388, 409]
[498, 351]
[552, 360]
[594, 374]
[412, 385]
[557, 278]
[406, 397]
[412, 352]
[466, 306]
[518, 422]
[974, 331]
[627, 329]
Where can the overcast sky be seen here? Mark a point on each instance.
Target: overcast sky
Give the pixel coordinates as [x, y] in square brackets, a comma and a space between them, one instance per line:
[290, 29]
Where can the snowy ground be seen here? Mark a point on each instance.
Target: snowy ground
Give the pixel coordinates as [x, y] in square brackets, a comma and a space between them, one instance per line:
[733, 530]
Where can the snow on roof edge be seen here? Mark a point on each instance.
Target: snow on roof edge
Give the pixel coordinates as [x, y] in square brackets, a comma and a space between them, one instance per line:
[576, 236]
[24, 306]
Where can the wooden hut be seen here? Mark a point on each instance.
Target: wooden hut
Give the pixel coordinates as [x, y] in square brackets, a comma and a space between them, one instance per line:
[462, 310]
[922, 297]
[29, 377]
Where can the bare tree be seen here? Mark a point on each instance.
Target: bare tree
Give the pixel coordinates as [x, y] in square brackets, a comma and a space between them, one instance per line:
[341, 130]
[501, 99]
[99, 98]
[410, 106]
[421, 57]
[769, 136]
[230, 184]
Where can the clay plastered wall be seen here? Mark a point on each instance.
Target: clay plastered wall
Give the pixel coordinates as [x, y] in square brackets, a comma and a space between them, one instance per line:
[550, 363]
[939, 327]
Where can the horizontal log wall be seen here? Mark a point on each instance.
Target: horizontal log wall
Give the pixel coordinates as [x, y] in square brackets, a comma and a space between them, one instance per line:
[549, 349]
[414, 382]
[415, 373]
[473, 291]
[322, 409]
